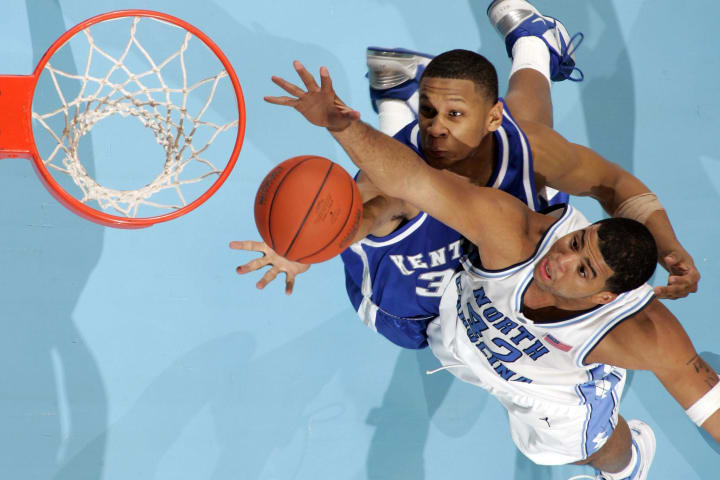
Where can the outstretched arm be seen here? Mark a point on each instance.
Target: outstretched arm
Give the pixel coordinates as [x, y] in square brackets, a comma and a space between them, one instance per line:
[578, 170]
[500, 232]
[654, 340]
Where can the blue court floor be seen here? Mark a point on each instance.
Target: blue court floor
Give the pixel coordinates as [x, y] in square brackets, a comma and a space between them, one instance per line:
[142, 355]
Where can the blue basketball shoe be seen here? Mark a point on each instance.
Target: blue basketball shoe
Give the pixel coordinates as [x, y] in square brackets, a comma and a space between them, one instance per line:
[394, 73]
[518, 18]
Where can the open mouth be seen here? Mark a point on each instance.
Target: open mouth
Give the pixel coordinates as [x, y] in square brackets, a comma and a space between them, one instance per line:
[545, 269]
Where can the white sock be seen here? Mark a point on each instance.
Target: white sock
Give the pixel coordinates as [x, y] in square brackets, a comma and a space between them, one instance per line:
[531, 52]
[393, 115]
[625, 472]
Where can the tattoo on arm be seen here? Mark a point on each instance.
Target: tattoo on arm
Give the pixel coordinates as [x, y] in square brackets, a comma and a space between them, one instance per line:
[701, 367]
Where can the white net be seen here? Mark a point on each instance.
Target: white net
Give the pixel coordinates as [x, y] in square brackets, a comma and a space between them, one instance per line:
[186, 109]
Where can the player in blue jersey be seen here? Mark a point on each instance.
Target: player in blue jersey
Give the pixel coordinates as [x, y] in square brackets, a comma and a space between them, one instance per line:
[396, 274]
[552, 310]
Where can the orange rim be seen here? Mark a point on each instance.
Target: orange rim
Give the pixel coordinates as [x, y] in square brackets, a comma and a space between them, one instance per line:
[113, 220]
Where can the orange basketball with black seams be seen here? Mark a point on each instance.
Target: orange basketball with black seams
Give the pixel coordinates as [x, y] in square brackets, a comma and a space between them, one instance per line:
[308, 209]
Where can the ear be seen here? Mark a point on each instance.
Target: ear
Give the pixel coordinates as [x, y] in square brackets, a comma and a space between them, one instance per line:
[494, 117]
[604, 297]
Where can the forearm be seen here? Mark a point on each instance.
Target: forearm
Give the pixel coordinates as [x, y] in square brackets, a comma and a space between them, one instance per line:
[615, 186]
[578, 170]
[712, 426]
[659, 225]
[653, 215]
[388, 163]
[620, 186]
[695, 387]
[712, 423]
[705, 411]
[629, 198]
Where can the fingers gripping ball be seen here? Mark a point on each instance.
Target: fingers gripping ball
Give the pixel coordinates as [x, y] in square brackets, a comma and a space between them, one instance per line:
[308, 209]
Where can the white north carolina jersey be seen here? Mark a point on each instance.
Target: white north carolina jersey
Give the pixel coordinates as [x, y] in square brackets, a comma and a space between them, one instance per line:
[483, 335]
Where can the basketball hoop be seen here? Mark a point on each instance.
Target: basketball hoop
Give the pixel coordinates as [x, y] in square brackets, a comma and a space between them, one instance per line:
[141, 65]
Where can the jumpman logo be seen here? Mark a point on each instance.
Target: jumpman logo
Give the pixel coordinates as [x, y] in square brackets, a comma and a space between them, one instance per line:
[547, 420]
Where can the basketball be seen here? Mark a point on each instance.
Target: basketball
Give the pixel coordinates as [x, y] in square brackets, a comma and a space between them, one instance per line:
[308, 209]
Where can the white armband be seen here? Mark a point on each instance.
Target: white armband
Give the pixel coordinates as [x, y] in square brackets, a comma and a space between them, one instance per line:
[639, 207]
[705, 406]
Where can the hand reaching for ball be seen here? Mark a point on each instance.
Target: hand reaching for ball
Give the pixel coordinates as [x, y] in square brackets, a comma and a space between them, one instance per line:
[270, 258]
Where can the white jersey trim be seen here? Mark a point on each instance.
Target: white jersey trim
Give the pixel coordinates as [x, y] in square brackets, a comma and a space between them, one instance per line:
[402, 235]
[527, 174]
[505, 157]
[367, 311]
[629, 312]
[414, 135]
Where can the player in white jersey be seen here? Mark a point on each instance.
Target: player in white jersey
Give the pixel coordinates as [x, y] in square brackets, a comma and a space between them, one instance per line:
[575, 279]
[561, 408]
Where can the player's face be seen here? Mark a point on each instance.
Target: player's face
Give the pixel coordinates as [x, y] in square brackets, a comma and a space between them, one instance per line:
[574, 268]
[453, 120]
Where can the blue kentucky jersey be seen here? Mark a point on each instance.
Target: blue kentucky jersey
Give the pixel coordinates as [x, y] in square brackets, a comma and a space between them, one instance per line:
[395, 282]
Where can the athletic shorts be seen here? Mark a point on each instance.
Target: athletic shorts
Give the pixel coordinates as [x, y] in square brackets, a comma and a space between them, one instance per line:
[554, 434]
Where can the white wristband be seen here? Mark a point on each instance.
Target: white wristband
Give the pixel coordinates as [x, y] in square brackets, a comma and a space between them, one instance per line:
[705, 406]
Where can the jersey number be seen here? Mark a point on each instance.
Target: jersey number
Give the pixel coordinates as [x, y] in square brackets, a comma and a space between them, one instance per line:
[436, 283]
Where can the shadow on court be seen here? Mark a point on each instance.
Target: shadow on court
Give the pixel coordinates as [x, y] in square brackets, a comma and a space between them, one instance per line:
[413, 402]
[259, 404]
[608, 92]
[53, 398]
